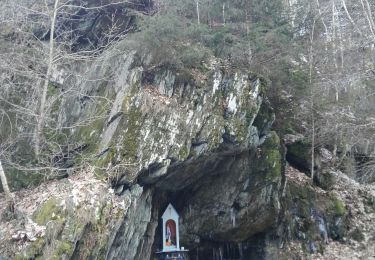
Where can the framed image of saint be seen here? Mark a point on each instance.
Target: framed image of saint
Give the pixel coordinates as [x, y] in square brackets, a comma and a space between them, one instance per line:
[170, 233]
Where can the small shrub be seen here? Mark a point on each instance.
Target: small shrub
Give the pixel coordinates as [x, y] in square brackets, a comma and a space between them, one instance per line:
[338, 206]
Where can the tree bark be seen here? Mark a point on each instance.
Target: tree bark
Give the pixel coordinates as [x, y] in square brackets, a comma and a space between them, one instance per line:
[8, 195]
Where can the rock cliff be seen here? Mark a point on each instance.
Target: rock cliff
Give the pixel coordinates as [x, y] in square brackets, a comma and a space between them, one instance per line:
[178, 136]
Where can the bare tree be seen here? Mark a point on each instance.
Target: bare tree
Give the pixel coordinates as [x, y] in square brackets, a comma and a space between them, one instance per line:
[41, 118]
[338, 115]
[312, 101]
[28, 64]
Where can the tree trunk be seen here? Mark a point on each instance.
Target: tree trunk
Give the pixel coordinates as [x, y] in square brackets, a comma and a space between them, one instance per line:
[198, 16]
[350, 18]
[8, 195]
[370, 14]
[43, 99]
[368, 18]
[335, 145]
[312, 105]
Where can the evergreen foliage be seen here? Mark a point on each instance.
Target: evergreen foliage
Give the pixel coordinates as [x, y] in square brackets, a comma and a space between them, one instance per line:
[242, 32]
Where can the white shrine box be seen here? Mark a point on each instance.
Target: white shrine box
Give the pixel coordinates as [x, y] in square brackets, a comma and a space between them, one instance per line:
[171, 235]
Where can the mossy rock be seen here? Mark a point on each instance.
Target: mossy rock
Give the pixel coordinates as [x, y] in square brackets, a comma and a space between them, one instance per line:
[52, 90]
[132, 135]
[19, 179]
[339, 222]
[324, 179]
[64, 248]
[108, 158]
[183, 153]
[300, 198]
[272, 159]
[34, 251]
[50, 210]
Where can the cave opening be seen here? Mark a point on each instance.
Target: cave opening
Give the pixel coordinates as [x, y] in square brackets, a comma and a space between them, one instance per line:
[226, 202]
[202, 247]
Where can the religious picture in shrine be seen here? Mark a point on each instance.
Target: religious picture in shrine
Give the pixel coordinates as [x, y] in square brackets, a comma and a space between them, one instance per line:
[170, 233]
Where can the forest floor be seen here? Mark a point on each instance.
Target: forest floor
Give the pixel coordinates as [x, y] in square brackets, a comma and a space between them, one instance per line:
[360, 200]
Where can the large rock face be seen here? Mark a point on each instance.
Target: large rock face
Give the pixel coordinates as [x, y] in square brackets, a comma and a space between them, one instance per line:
[199, 138]
[167, 134]
[147, 122]
[196, 134]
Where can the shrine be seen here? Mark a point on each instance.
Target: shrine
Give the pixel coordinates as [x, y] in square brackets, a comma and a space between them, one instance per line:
[171, 237]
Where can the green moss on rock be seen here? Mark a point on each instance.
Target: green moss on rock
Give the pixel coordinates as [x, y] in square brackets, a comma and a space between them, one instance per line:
[132, 135]
[264, 85]
[34, 251]
[241, 129]
[49, 210]
[183, 153]
[242, 123]
[64, 248]
[272, 156]
[89, 134]
[217, 124]
[106, 159]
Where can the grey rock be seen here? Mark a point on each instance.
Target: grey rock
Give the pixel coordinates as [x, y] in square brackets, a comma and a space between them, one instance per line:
[130, 233]
[312, 247]
[119, 189]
